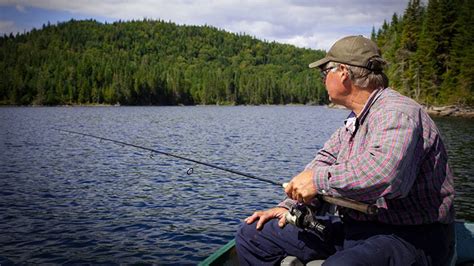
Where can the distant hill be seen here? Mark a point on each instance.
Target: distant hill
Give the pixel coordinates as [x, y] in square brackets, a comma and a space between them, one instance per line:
[152, 63]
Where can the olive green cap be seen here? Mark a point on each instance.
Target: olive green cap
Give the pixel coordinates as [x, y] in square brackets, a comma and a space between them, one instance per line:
[351, 50]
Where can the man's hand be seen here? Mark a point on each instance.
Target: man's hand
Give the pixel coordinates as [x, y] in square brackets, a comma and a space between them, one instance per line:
[301, 188]
[265, 216]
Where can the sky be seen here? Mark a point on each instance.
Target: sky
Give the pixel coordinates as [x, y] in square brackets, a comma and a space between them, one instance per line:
[314, 24]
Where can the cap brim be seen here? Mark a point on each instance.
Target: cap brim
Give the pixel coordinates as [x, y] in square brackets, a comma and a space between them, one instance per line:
[319, 63]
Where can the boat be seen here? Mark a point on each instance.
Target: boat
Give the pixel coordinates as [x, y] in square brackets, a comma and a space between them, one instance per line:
[464, 255]
[226, 255]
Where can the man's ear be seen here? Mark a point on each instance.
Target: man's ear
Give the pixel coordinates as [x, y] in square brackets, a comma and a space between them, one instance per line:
[344, 73]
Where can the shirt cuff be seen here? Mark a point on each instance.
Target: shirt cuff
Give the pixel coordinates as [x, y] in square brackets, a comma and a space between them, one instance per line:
[321, 179]
[287, 203]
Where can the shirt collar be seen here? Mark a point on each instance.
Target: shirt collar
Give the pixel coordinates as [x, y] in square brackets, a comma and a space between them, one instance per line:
[372, 98]
[352, 122]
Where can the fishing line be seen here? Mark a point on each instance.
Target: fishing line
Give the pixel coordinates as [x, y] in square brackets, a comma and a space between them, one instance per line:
[340, 201]
[190, 170]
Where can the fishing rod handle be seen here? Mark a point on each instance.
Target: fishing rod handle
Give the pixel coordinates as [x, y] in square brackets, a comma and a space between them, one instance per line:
[368, 209]
[348, 203]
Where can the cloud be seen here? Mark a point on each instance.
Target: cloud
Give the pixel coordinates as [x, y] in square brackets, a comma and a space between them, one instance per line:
[315, 40]
[256, 28]
[6, 27]
[305, 23]
[20, 8]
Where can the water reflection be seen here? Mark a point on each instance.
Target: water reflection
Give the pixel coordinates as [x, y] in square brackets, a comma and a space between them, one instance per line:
[458, 134]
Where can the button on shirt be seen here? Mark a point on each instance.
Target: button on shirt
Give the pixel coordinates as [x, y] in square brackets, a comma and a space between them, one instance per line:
[390, 155]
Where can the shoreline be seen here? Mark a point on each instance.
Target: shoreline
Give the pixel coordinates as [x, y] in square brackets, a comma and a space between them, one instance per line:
[436, 111]
[450, 111]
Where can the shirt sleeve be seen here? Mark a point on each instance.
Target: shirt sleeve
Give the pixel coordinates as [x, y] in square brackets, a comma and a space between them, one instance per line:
[385, 168]
[328, 154]
[325, 156]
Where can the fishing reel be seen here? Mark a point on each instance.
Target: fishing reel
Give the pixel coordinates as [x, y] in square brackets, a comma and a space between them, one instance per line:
[304, 217]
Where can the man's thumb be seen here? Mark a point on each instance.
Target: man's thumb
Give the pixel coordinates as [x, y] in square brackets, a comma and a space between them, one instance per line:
[282, 222]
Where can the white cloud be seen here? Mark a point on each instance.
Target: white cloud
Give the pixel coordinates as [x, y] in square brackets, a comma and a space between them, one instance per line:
[256, 28]
[308, 23]
[325, 39]
[20, 8]
[7, 26]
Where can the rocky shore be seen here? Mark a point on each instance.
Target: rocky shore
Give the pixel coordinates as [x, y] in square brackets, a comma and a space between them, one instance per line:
[452, 110]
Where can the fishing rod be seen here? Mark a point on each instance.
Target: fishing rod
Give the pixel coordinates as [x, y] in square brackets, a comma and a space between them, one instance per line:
[171, 155]
[340, 201]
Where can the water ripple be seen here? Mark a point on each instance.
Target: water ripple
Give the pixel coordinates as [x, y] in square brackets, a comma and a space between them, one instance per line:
[73, 200]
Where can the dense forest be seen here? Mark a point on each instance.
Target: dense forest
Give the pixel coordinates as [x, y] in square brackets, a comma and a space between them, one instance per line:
[431, 51]
[429, 47]
[152, 63]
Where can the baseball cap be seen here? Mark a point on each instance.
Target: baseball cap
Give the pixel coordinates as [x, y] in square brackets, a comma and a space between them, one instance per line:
[351, 50]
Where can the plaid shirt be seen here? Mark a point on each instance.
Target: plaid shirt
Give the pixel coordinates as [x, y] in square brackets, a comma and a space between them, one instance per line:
[390, 155]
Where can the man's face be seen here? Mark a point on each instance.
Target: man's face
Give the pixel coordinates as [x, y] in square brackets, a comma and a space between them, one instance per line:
[333, 81]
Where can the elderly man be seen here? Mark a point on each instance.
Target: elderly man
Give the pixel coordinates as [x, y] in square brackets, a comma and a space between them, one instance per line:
[388, 153]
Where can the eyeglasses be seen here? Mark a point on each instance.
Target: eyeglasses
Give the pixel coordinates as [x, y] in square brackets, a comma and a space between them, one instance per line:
[325, 72]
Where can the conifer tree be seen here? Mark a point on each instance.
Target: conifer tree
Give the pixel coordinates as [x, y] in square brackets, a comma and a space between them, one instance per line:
[151, 62]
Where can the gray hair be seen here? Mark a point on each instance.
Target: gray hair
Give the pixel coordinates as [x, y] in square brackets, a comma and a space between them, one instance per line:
[367, 78]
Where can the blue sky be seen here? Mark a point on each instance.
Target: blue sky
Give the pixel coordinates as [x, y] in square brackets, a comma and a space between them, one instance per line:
[305, 23]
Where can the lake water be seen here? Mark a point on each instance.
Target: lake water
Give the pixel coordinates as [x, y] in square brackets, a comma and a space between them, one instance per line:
[71, 199]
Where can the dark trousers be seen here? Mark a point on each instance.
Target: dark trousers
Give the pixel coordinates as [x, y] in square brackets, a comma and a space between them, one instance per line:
[351, 243]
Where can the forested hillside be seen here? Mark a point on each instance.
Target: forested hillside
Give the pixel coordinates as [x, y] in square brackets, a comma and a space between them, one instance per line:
[152, 63]
[431, 51]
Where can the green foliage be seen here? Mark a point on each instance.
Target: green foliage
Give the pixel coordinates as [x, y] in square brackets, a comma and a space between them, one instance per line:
[152, 63]
[430, 51]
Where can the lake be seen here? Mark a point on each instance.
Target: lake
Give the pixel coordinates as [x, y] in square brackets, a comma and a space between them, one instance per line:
[67, 199]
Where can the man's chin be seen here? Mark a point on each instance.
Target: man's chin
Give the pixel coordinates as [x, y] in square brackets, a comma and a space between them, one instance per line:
[333, 101]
